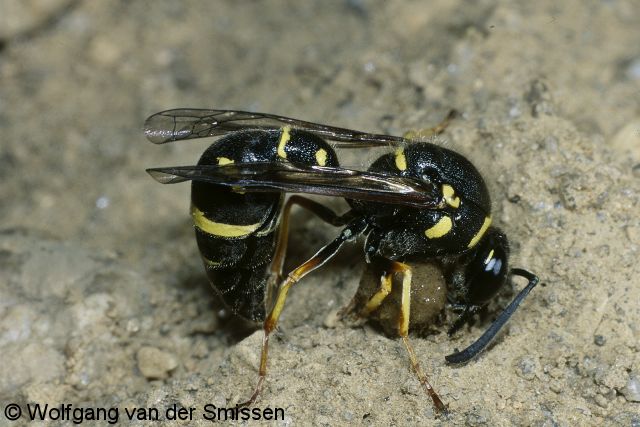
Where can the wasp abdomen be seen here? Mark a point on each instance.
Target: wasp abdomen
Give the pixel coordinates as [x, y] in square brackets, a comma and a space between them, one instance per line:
[236, 231]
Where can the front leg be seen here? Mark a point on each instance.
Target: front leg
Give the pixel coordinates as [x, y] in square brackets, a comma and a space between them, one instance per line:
[389, 268]
[468, 311]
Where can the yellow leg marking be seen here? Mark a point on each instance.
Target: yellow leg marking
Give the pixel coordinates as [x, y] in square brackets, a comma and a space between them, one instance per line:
[291, 280]
[450, 196]
[441, 228]
[218, 228]
[376, 300]
[272, 319]
[284, 138]
[403, 331]
[321, 157]
[405, 302]
[282, 241]
[480, 233]
[401, 160]
[224, 161]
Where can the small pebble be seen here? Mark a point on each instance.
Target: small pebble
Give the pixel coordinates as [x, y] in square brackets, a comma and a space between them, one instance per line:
[155, 363]
[526, 368]
[631, 390]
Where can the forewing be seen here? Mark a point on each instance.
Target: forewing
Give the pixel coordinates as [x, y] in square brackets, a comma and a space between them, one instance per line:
[290, 178]
[189, 123]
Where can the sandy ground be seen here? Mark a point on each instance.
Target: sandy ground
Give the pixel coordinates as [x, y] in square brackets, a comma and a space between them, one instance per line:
[104, 302]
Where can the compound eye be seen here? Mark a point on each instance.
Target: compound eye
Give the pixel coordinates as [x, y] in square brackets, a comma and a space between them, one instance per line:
[492, 264]
[487, 272]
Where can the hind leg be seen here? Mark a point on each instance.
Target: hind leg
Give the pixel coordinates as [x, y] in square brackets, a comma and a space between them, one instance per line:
[349, 233]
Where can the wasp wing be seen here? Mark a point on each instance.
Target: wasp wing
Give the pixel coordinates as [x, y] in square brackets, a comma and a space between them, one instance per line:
[191, 123]
[292, 178]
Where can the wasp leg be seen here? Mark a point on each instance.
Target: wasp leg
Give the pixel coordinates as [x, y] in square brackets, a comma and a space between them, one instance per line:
[424, 134]
[349, 233]
[403, 331]
[386, 282]
[282, 240]
[390, 268]
[468, 312]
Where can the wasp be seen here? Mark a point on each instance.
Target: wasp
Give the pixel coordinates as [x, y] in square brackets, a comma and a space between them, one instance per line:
[418, 199]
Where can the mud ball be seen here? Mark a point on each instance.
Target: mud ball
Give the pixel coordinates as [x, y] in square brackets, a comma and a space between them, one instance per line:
[428, 297]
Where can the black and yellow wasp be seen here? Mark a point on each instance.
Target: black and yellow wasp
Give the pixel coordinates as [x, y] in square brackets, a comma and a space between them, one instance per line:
[417, 199]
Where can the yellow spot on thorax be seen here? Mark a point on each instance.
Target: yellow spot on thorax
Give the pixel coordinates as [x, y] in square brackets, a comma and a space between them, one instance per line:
[218, 228]
[441, 228]
[480, 233]
[285, 136]
[321, 157]
[401, 160]
[450, 197]
[224, 161]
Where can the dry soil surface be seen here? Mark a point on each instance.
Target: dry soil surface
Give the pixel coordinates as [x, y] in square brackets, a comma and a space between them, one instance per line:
[104, 301]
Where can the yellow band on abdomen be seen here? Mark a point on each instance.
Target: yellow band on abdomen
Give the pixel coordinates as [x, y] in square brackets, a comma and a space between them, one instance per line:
[218, 228]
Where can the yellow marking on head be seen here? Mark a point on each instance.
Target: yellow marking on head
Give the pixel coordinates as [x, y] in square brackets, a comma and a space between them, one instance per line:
[218, 228]
[401, 160]
[480, 233]
[321, 157]
[441, 228]
[285, 136]
[224, 161]
[488, 258]
[450, 197]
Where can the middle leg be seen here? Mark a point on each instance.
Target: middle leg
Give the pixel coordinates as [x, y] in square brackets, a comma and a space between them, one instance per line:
[355, 228]
[282, 240]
